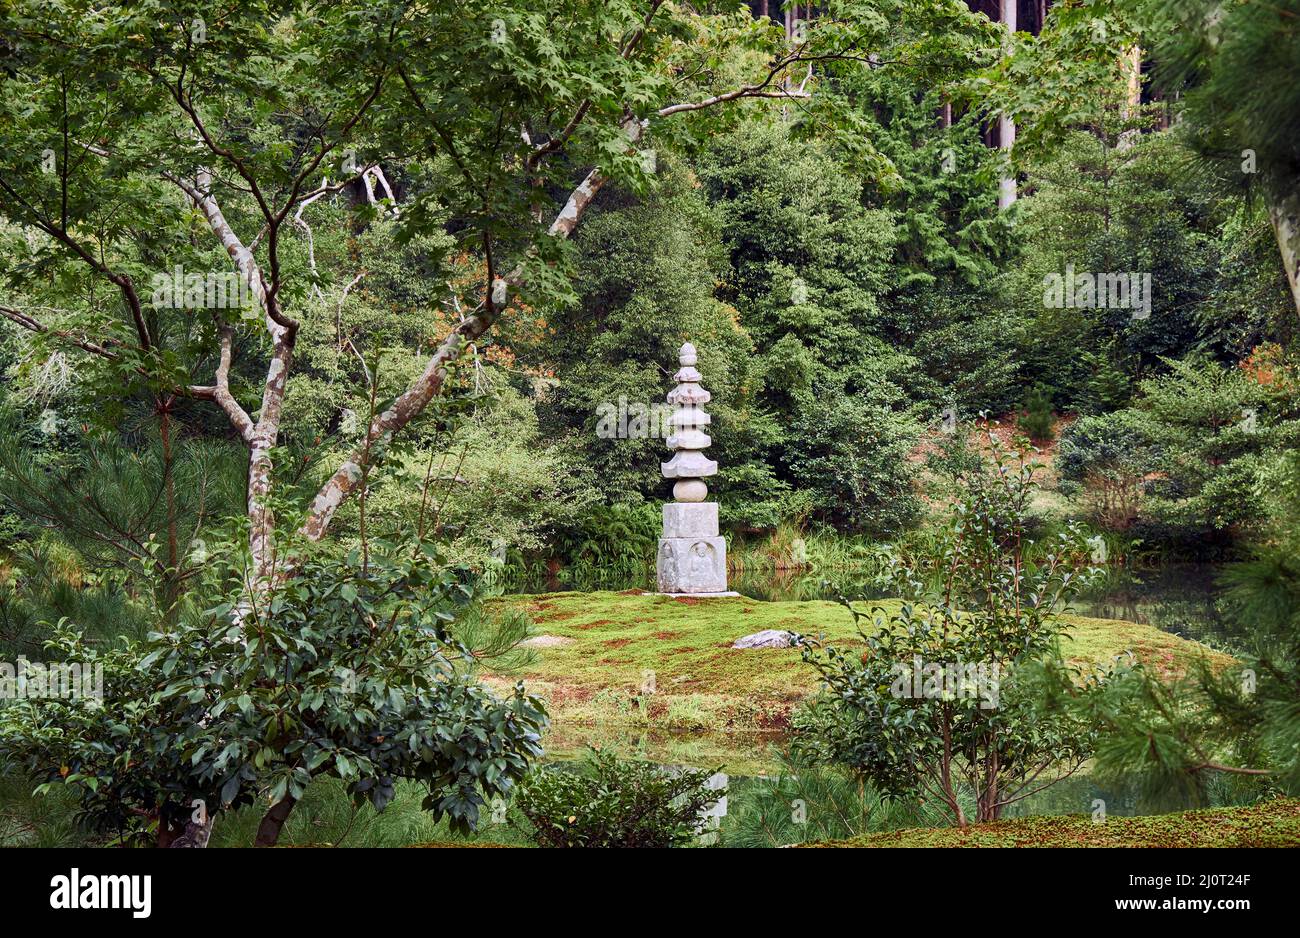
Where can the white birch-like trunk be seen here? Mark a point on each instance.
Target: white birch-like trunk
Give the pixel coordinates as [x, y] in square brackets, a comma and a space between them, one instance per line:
[1285, 215]
[1133, 96]
[1006, 126]
[262, 435]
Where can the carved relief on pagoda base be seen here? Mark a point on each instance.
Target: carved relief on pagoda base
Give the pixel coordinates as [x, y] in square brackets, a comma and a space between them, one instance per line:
[692, 565]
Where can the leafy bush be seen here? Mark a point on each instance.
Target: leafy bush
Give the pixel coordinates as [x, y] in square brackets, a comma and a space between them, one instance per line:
[1108, 455]
[617, 538]
[850, 452]
[1182, 463]
[1234, 728]
[944, 694]
[348, 671]
[489, 486]
[808, 801]
[609, 802]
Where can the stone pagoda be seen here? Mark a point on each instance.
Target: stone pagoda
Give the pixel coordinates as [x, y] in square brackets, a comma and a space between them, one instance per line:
[692, 556]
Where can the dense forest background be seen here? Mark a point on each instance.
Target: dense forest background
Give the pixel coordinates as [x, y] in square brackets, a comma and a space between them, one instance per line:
[853, 291]
[319, 322]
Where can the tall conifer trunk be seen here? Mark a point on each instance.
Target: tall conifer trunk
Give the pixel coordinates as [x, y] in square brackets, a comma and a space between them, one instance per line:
[1006, 126]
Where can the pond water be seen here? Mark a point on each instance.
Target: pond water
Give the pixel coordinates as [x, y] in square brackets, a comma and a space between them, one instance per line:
[1185, 599]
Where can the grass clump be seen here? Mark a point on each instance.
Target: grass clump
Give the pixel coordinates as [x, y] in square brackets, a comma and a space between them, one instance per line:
[1273, 823]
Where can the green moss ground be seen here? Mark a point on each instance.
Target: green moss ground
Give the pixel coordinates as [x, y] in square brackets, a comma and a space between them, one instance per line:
[702, 684]
[1270, 824]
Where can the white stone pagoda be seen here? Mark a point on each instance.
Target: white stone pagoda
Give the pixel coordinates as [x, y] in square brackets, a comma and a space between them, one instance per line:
[692, 558]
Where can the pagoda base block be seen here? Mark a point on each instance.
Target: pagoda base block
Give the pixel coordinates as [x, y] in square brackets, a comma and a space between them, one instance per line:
[692, 565]
[728, 593]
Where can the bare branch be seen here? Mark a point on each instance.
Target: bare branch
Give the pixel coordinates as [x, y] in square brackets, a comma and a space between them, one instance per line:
[345, 337]
[33, 325]
[416, 397]
[200, 192]
[748, 91]
[555, 143]
[122, 281]
[559, 140]
[220, 392]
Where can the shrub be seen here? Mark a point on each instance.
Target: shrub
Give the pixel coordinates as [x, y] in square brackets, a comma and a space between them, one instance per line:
[849, 451]
[608, 802]
[975, 644]
[807, 801]
[348, 671]
[1036, 420]
[1108, 455]
[1192, 446]
[617, 538]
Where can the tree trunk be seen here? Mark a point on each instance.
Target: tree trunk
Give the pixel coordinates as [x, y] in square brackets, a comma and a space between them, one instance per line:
[945, 772]
[265, 436]
[1006, 126]
[195, 834]
[268, 832]
[987, 808]
[171, 577]
[262, 437]
[1133, 96]
[1285, 215]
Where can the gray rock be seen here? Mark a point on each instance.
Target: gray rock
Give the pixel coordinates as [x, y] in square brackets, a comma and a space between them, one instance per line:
[546, 641]
[768, 638]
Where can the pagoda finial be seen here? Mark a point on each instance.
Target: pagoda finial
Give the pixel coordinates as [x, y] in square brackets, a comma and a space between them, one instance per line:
[689, 466]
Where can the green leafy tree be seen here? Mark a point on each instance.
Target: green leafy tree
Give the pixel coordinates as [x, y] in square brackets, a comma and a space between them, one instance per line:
[204, 136]
[809, 268]
[809, 259]
[1210, 431]
[1096, 209]
[227, 123]
[350, 672]
[648, 267]
[849, 452]
[1235, 69]
[942, 699]
[139, 515]
[1108, 456]
[1233, 731]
